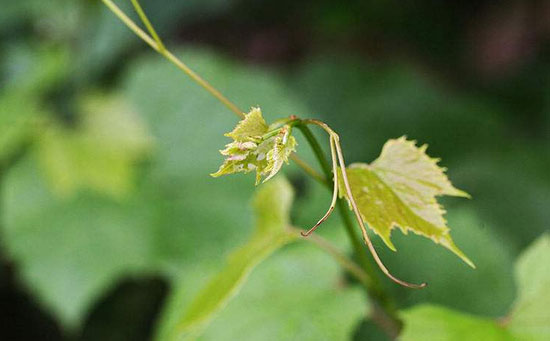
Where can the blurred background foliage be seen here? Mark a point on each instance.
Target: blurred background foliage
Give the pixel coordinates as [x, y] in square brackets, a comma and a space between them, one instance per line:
[108, 213]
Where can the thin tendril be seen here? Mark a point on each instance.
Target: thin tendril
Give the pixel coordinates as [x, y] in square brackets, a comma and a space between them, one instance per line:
[364, 230]
[334, 193]
[336, 139]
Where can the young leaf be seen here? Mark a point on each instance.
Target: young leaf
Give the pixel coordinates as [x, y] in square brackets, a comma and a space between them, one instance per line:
[250, 151]
[252, 126]
[399, 189]
[272, 205]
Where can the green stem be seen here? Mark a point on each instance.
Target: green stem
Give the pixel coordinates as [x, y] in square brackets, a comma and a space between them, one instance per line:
[147, 24]
[374, 288]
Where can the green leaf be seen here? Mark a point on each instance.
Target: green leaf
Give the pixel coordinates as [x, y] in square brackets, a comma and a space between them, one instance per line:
[399, 189]
[272, 204]
[530, 316]
[296, 294]
[176, 221]
[430, 322]
[253, 126]
[70, 251]
[19, 116]
[100, 154]
[251, 151]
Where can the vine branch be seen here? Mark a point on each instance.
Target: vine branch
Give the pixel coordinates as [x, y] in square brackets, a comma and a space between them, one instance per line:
[157, 45]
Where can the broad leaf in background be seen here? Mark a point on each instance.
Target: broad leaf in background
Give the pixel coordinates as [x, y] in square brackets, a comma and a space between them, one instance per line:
[488, 291]
[398, 190]
[429, 322]
[296, 294]
[530, 316]
[272, 204]
[100, 154]
[19, 116]
[28, 73]
[528, 319]
[250, 151]
[70, 250]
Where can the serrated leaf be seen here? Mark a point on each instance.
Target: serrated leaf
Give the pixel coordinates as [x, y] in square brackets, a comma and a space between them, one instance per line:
[250, 151]
[272, 205]
[398, 190]
[530, 316]
[430, 322]
[252, 126]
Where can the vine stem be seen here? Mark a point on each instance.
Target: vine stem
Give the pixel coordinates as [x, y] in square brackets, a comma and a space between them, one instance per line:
[383, 305]
[168, 55]
[156, 44]
[373, 287]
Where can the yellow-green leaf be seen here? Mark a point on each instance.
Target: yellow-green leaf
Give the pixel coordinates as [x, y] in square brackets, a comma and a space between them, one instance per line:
[250, 151]
[253, 125]
[399, 189]
[272, 205]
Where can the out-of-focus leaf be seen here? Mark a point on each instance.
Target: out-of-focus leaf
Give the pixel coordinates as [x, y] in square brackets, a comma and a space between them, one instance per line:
[34, 68]
[100, 154]
[487, 291]
[19, 116]
[297, 294]
[29, 71]
[272, 204]
[429, 322]
[399, 189]
[70, 250]
[528, 320]
[530, 315]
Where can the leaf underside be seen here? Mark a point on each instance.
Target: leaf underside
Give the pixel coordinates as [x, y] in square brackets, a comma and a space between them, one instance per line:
[399, 189]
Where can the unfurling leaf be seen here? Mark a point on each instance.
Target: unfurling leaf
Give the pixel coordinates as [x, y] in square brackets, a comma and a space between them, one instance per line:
[251, 151]
[399, 189]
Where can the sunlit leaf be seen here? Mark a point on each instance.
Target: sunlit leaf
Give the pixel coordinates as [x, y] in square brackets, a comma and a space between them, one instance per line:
[398, 190]
[272, 204]
[253, 126]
